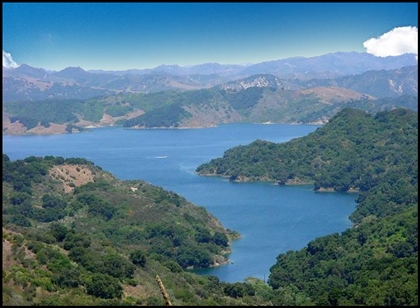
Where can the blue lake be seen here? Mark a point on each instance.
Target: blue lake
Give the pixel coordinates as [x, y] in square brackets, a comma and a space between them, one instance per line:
[271, 219]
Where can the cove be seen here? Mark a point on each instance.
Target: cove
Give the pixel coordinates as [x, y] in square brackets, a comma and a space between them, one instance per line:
[271, 219]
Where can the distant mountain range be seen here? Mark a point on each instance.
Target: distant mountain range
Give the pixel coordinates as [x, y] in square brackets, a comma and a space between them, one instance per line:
[295, 90]
[332, 64]
[29, 83]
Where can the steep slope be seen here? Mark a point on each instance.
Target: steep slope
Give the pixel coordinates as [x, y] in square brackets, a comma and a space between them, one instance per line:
[375, 263]
[259, 98]
[333, 157]
[73, 234]
[379, 83]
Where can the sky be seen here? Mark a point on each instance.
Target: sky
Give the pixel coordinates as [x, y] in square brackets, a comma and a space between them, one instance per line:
[130, 35]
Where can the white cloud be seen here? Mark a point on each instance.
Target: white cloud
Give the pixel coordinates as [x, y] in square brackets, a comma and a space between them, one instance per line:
[396, 42]
[8, 60]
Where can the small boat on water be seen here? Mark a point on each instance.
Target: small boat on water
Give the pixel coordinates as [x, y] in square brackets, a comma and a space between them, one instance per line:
[161, 156]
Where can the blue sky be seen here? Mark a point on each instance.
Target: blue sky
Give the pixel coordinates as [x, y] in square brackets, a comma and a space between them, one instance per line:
[119, 36]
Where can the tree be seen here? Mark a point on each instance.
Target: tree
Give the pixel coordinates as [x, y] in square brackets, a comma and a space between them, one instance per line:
[117, 266]
[68, 278]
[59, 231]
[104, 286]
[220, 239]
[138, 258]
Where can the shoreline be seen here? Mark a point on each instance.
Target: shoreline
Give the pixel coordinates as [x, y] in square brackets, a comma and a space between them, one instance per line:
[352, 190]
[61, 130]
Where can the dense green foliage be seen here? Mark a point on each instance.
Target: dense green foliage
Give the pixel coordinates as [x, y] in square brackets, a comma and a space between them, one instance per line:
[334, 156]
[103, 241]
[55, 111]
[118, 110]
[165, 116]
[101, 202]
[246, 99]
[104, 286]
[174, 113]
[91, 110]
[148, 102]
[374, 263]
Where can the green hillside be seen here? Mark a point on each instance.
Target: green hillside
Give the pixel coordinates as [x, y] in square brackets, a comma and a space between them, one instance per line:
[73, 234]
[258, 98]
[375, 262]
[334, 156]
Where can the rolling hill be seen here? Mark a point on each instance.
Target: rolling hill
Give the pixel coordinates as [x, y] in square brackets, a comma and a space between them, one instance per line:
[376, 261]
[39, 102]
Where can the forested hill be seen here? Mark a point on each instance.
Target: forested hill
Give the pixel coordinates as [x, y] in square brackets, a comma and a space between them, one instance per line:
[355, 151]
[342, 155]
[73, 234]
[257, 98]
[376, 261]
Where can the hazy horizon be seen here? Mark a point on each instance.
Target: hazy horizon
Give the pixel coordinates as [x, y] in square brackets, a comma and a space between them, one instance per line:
[181, 66]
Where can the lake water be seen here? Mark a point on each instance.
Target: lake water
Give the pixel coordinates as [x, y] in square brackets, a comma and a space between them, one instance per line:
[271, 219]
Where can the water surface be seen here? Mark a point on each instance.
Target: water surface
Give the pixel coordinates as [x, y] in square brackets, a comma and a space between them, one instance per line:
[271, 219]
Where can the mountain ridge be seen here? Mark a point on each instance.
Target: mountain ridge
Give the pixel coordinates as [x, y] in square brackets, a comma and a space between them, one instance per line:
[159, 99]
[362, 59]
[21, 83]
